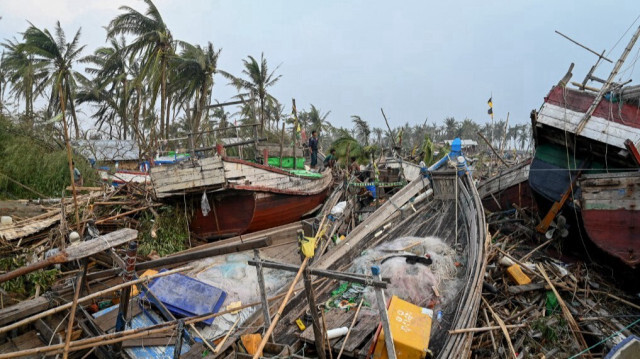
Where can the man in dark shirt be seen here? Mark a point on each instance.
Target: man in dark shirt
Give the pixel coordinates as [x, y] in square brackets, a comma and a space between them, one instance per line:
[313, 145]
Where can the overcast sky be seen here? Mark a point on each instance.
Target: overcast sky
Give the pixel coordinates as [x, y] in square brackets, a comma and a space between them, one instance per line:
[416, 59]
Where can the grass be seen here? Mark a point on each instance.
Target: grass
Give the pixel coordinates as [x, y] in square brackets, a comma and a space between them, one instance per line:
[36, 163]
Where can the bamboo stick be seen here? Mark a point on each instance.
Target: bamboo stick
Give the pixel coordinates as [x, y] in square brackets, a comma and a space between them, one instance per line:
[74, 306]
[565, 311]
[485, 329]
[502, 326]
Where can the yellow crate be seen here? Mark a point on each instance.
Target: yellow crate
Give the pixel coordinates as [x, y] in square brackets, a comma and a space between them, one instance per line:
[515, 272]
[411, 329]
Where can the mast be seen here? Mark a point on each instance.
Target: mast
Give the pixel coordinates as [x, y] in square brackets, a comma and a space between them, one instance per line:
[607, 84]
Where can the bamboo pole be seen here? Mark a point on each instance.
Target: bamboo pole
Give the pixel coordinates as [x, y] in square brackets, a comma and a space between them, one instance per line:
[502, 326]
[492, 149]
[87, 298]
[565, 311]
[74, 306]
[128, 334]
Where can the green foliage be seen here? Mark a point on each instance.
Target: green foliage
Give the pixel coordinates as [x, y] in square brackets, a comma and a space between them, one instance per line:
[361, 153]
[33, 163]
[553, 328]
[427, 150]
[172, 231]
[25, 286]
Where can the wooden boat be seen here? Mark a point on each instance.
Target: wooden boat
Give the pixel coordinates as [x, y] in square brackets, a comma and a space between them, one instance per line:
[510, 186]
[242, 196]
[610, 213]
[452, 199]
[585, 132]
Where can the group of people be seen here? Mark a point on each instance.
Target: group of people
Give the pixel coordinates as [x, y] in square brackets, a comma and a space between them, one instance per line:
[329, 160]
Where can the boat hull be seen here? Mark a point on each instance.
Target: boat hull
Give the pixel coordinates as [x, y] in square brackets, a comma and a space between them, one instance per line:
[611, 214]
[236, 212]
[508, 188]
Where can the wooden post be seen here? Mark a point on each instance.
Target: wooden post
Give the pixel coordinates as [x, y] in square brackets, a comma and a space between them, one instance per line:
[125, 295]
[295, 127]
[281, 143]
[265, 156]
[384, 316]
[69, 157]
[263, 291]
[311, 299]
[74, 306]
[220, 149]
[178, 347]
[255, 141]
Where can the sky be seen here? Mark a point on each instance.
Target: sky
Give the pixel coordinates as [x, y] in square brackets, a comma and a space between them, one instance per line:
[419, 60]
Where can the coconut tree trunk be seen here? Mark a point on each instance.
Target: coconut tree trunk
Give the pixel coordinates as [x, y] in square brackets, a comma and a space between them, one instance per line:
[261, 116]
[72, 106]
[124, 107]
[163, 92]
[167, 116]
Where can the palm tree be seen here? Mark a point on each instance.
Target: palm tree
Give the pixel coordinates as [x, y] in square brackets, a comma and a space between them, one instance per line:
[110, 87]
[362, 129]
[317, 120]
[57, 57]
[451, 127]
[23, 73]
[194, 71]
[257, 84]
[153, 41]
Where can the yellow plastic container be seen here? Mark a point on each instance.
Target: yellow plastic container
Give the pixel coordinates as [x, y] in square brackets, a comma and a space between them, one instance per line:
[411, 329]
[515, 272]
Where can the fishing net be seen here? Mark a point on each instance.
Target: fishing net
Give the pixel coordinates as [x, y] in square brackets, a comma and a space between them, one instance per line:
[419, 267]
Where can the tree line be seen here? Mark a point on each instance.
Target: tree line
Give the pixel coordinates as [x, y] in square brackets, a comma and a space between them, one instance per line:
[148, 86]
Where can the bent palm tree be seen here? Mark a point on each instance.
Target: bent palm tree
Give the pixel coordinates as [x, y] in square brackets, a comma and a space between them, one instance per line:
[194, 71]
[154, 41]
[362, 128]
[57, 57]
[259, 80]
[24, 74]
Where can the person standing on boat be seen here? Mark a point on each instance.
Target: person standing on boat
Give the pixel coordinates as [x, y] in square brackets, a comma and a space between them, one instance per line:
[313, 145]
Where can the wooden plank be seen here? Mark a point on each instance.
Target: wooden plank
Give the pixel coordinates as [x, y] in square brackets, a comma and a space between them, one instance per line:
[597, 128]
[107, 321]
[23, 309]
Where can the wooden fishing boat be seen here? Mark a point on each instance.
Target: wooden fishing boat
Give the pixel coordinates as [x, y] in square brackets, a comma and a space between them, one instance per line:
[231, 196]
[610, 205]
[451, 210]
[510, 186]
[589, 132]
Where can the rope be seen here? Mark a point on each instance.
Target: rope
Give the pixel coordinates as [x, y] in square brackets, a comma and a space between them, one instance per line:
[605, 339]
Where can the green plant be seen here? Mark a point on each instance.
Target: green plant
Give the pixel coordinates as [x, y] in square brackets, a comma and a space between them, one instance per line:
[171, 228]
[25, 286]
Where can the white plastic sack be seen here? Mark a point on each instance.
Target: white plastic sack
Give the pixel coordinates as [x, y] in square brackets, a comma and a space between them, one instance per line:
[204, 204]
[338, 208]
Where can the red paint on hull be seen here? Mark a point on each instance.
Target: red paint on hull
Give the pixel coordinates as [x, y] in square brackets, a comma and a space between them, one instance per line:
[615, 232]
[580, 101]
[240, 212]
[519, 194]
